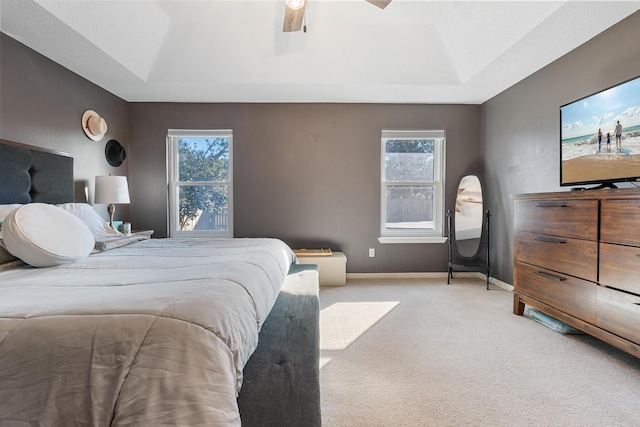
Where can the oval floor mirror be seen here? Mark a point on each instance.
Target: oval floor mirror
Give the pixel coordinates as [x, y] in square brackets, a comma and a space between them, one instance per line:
[468, 229]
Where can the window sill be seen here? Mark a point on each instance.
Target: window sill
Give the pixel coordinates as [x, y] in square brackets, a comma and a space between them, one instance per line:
[405, 239]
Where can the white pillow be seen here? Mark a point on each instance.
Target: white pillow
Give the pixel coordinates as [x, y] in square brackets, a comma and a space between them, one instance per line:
[44, 235]
[90, 217]
[7, 209]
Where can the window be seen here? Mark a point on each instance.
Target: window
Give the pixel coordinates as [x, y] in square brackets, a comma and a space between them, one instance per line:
[412, 187]
[200, 176]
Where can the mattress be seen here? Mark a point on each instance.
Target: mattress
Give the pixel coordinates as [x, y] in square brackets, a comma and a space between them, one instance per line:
[154, 333]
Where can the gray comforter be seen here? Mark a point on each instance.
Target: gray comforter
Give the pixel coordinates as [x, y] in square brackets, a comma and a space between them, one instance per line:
[155, 333]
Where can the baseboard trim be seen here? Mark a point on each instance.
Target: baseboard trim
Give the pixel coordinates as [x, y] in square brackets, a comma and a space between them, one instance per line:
[502, 285]
[370, 276]
[435, 275]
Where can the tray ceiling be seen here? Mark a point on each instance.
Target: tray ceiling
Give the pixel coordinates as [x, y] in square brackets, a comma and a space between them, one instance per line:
[236, 51]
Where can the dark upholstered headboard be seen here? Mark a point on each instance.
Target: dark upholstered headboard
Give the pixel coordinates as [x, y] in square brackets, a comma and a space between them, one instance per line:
[32, 174]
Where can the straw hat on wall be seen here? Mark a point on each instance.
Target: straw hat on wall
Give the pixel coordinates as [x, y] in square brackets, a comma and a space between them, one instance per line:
[93, 125]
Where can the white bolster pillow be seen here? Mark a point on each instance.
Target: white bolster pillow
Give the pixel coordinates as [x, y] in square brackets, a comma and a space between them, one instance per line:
[44, 235]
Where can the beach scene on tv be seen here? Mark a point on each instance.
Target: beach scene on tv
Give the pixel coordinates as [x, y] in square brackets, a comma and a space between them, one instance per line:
[600, 135]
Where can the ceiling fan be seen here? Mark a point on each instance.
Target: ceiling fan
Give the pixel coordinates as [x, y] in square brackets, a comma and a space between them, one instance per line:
[294, 13]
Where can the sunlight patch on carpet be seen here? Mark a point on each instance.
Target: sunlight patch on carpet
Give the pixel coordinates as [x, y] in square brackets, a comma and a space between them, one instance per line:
[343, 323]
[324, 361]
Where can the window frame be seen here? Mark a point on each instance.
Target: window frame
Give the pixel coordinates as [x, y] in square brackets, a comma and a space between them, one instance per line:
[414, 235]
[173, 184]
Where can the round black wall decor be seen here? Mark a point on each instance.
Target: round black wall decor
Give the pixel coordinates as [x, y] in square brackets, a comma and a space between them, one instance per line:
[114, 153]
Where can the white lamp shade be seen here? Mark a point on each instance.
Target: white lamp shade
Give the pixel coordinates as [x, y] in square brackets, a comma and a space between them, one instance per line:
[112, 190]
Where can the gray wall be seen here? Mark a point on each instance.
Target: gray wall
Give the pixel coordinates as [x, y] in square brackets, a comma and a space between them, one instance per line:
[41, 103]
[521, 126]
[306, 173]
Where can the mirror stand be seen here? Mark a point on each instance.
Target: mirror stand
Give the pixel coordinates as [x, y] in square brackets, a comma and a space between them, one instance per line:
[473, 264]
[468, 229]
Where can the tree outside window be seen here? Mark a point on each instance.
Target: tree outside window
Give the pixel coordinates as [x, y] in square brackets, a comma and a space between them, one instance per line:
[201, 184]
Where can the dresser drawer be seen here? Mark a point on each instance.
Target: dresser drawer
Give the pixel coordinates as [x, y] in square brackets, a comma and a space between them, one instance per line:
[568, 218]
[619, 313]
[568, 294]
[574, 257]
[620, 221]
[619, 267]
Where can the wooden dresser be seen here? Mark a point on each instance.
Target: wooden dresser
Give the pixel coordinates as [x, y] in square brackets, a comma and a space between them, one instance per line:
[577, 258]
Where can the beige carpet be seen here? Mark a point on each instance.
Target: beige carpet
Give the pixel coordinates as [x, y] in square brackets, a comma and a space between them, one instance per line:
[420, 353]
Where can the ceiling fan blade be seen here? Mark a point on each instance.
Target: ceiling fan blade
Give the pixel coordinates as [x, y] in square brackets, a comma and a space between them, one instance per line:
[380, 3]
[293, 18]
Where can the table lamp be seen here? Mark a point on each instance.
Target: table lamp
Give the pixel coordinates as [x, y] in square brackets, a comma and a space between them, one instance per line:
[111, 190]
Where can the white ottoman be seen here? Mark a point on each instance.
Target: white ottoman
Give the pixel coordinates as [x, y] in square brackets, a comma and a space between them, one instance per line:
[332, 268]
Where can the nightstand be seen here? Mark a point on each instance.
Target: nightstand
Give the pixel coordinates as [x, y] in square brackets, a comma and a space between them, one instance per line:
[142, 233]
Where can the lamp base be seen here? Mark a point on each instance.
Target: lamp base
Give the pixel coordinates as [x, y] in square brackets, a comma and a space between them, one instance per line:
[112, 210]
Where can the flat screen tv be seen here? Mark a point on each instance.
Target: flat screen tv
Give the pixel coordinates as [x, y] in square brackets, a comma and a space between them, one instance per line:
[600, 137]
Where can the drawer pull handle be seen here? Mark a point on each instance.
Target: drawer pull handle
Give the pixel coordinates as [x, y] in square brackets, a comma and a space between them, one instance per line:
[549, 205]
[549, 276]
[551, 240]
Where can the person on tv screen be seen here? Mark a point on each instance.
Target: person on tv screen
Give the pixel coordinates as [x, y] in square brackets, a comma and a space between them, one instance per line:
[618, 133]
[599, 140]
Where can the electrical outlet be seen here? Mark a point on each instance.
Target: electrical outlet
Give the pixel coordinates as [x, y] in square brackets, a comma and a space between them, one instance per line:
[372, 252]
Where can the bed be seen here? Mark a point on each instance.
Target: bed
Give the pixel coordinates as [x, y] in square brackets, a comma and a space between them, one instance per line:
[148, 331]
